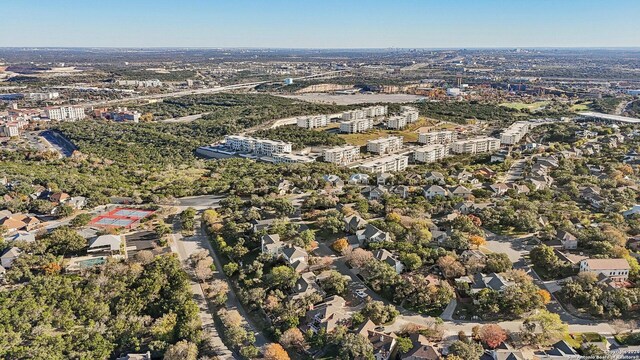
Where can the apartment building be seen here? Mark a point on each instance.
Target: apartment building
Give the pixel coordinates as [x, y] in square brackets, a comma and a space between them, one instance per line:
[437, 137]
[70, 113]
[385, 144]
[375, 111]
[285, 158]
[356, 126]
[431, 153]
[140, 83]
[514, 133]
[258, 146]
[387, 163]
[312, 122]
[353, 115]
[10, 130]
[397, 122]
[475, 146]
[341, 155]
[42, 96]
[410, 112]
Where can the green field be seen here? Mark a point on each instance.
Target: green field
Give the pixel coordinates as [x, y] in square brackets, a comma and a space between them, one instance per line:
[530, 106]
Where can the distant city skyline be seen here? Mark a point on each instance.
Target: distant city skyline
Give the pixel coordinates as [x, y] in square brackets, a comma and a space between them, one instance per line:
[316, 24]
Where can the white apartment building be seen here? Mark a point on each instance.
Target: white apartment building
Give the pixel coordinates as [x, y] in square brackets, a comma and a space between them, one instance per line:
[71, 113]
[291, 158]
[375, 111]
[397, 122]
[616, 269]
[341, 155]
[312, 122]
[385, 144]
[353, 115]
[42, 96]
[356, 126]
[258, 146]
[437, 137]
[475, 146]
[431, 153]
[514, 133]
[410, 112]
[10, 130]
[387, 163]
[140, 83]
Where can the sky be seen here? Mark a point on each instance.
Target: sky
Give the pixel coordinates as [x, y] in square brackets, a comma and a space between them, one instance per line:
[320, 23]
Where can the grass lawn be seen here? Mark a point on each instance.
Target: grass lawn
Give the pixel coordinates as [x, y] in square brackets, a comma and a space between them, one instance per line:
[409, 133]
[520, 105]
[574, 340]
[581, 107]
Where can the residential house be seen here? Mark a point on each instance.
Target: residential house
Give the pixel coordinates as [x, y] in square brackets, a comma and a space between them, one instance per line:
[473, 254]
[354, 223]
[105, 244]
[271, 244]
[435, 177]
[464, 207]
[499, 189]
[463, 175]
[383, 345]
[374, 192]
[385, 179]
[23, 236]
[334, 180]
[485, 172]
[9, 255]
[386, 256]
[491, 281]
[421, 350]
[259, 225]
[560, 350]
[371, 234]
[77, 202]
[307, 285]
[635, 210]
[59, 197]
[327, 315]
[568, 240]
[462, 191]
[616, 269]
[518, 188]
[591, 194]
[435, 190]
[356, 179]
[296, 257]
[401, 190]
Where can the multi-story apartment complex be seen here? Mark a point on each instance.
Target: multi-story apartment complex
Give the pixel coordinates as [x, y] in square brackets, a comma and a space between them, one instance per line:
[353, 115]
[10, 130]
[410, 112]
[140, 83]
[375, 111]
[312, 122]
[475, 146]
[356, 126]
[385, 144]
[291, 158]
[514, 133]
[397, 122]
[42, 96]
[387, 163]
[257, 146]
[65, 113]
[341, 155]
[431, 153]
[437, 137]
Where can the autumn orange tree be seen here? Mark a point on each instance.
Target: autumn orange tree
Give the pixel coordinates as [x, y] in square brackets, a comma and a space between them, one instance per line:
[477, 240]
[340, 245]
[275, 351]
[546, 297]
[492, 335]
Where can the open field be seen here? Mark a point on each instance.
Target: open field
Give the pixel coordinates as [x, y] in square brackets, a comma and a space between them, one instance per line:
[321, 98]
[520, 105]
[410, 133]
